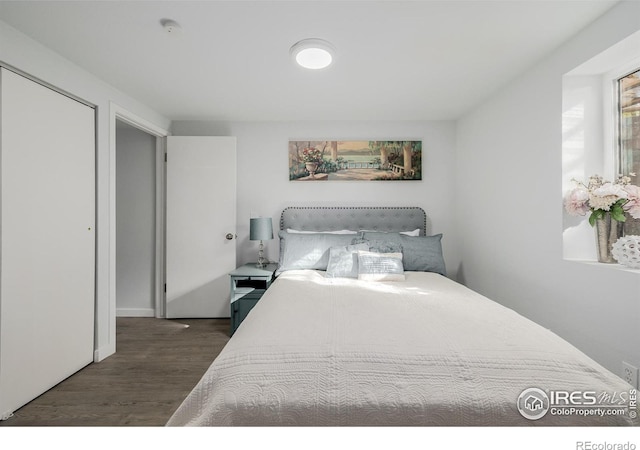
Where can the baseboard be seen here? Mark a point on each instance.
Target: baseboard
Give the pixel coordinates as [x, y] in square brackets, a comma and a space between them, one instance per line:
[103, 352]
[135, 312]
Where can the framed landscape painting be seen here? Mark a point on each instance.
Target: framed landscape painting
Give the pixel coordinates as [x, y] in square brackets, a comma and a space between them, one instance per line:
[355, 160]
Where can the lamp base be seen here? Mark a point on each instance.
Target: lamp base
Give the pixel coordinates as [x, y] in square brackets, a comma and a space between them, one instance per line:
[262, 261]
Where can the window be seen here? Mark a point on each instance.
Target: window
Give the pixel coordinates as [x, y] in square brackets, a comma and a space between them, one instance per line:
[629, 135]
[629, 125]
[600, 132]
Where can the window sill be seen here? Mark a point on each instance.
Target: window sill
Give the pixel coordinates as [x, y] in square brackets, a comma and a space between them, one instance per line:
[606, 266]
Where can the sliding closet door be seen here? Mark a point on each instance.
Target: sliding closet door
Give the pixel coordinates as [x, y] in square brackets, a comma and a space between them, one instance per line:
[47, 266]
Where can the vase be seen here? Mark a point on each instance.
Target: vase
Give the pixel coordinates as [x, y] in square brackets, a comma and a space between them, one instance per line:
[311, 168]
[626, 251]
[608, 231]
[631, 225]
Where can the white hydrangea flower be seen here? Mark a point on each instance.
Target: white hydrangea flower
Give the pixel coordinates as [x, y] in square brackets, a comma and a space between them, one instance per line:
[606, 195]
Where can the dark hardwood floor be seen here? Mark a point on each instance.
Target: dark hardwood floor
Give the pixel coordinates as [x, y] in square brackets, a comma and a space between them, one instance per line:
[156, 364]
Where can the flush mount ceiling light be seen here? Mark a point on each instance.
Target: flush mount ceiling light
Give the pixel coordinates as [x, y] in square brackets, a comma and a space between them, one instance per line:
[170, 26]
[313, 53]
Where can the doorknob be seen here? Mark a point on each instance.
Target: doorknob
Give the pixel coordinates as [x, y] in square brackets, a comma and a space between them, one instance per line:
[230, 236]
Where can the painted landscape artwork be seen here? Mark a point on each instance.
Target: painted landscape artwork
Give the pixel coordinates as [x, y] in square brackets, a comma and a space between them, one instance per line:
[355, 160]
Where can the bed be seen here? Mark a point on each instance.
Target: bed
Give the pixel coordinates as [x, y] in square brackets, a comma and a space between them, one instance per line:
[381, 345]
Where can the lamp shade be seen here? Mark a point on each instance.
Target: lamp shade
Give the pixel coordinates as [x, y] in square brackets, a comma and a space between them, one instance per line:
[260, 229]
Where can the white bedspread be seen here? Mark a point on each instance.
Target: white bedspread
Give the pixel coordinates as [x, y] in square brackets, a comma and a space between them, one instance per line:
[428, 351]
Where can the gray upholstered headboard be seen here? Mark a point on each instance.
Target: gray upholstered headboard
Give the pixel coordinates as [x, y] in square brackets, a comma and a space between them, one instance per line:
[374, 218]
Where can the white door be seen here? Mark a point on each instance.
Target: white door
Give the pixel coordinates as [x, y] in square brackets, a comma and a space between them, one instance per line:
[201, 225]
[48, 239]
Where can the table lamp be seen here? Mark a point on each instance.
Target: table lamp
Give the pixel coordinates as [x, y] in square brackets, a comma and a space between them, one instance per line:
[260, 229]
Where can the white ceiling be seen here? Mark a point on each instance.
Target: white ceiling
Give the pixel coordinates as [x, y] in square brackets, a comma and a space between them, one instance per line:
[396, 60]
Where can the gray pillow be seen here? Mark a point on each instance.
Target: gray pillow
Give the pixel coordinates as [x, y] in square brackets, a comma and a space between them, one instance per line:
[308, 251]
[343, 261]
[380, 266]
[420, 253]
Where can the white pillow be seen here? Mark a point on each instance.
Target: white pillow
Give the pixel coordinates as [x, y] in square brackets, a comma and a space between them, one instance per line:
[290, 230]
[380, 266]
[415, 232]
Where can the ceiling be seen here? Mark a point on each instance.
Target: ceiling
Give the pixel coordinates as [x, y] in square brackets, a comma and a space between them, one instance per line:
[396, 60]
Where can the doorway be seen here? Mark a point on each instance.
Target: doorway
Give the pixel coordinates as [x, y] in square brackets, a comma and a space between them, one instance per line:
[135, 222]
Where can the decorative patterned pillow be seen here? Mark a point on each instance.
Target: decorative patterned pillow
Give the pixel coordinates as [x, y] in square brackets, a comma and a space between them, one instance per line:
[420, 253]
[379, 246]
[374, 266]
[343, 261]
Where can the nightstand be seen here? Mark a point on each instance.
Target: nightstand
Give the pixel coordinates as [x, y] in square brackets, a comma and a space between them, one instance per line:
[248, 283]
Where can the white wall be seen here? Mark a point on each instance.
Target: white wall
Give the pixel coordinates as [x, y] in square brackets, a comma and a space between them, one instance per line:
[135, 222]
[582, 155]
[25, 54]
[264, 188]
[509, 178]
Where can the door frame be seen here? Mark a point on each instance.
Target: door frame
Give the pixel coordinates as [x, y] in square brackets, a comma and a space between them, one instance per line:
[117, 112]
